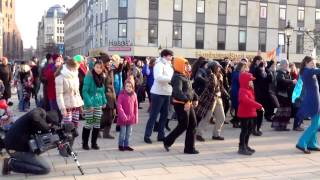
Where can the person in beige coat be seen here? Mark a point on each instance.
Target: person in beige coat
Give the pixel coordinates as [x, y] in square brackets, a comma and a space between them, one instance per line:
[68, 95]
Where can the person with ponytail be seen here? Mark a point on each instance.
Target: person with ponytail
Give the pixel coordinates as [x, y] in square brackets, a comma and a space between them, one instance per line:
[94, 97]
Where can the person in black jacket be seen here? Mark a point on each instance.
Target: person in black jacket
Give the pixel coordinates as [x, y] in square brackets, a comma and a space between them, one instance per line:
[22, 160]
[199, 75]
[261, 88]
[184, 100]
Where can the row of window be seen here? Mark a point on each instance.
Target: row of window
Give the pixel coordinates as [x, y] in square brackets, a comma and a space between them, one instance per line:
[60, 39]
[59, 21]
[60, 30]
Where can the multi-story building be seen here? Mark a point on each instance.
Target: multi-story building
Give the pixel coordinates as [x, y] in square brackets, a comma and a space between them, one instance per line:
[11, 42]
[51, 31]
[96, 28]
[193, 28]
[74, 25]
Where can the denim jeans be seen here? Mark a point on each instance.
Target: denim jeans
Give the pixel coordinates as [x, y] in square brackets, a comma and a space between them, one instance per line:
[26, 162]
[160, 104]
[124, 135]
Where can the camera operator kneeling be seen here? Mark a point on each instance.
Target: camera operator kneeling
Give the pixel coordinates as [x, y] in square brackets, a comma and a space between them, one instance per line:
[22, 158]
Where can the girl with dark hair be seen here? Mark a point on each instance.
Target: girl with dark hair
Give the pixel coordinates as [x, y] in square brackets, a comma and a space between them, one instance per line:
[310, 105]
[94, 100]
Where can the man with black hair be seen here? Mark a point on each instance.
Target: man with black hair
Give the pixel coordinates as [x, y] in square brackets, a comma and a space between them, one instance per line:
[160, 95]
[22, 160]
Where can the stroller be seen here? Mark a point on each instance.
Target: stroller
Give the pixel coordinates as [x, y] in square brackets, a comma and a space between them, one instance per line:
[6, 122]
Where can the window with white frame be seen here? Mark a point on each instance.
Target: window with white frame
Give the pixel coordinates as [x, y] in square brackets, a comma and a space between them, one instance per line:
[122, 30]
[123, 3]
[242, 40]
[200, 6]
[243, 10]
[282, 12]
[317, 14]
[177, 5]
[263, 10]
[222, 8]
[300, 13]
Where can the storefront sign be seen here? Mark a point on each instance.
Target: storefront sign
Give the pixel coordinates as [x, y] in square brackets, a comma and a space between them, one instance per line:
[223, 54]
[124, 45]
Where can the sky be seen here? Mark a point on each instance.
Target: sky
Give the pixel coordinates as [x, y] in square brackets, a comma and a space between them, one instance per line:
[29, 13]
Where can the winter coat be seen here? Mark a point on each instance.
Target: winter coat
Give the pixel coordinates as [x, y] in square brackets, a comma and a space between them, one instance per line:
[6, 77]
[18, 136]
[138, 76]
[200, 81]
[109, 89]
[261, 84]
[118, 84]
[148, 72]
[208, 97]
[67, 89]
[162, 72]
[182, 88]
[50, 83]
[284, 83]
[93, 96]
[235, 89]
[247, 105]
[127, 106]
[310, 104]
[274, 103]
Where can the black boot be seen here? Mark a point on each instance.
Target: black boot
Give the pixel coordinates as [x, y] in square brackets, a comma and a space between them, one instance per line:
[94, 138]
[247, 146]
[244, 151]
[85, 138]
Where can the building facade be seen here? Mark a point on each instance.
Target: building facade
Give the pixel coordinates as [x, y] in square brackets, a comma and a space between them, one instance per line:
[12, 45]
[50, 38]
[210, 28]
[74, 24]
[96, 28]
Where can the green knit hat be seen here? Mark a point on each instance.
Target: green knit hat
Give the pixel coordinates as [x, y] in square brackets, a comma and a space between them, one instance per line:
[78, 58]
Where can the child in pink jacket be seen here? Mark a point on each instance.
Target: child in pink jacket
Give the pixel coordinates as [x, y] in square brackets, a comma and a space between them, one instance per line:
[127, 106]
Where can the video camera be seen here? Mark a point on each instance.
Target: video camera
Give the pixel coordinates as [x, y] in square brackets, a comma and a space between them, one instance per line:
[59, 137]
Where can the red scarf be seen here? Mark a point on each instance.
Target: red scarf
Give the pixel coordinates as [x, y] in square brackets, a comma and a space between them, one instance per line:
[83, 68]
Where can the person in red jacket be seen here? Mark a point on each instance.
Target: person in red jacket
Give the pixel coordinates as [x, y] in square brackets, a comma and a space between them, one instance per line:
[247, 111]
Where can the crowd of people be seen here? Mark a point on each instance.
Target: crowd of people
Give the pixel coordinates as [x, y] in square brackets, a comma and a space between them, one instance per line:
[107, 89]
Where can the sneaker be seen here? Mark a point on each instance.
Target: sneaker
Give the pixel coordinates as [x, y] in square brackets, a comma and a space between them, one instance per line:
[147, 140]
[95, 146]
[128, 148]
[5, 167]
[121, 148]
[219, 138]
[298, 129]
[191, 152]
[200, 138]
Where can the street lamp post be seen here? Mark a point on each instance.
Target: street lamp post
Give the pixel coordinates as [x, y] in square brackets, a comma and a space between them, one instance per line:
[288, 32]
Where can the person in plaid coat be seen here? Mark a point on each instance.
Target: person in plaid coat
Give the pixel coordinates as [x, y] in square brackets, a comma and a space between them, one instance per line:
[210, 102]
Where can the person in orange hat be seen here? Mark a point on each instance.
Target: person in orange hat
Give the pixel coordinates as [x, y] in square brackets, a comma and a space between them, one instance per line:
[184, 100]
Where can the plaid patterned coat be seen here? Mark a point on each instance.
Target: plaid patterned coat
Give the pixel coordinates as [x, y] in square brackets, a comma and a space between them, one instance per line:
[207, 98]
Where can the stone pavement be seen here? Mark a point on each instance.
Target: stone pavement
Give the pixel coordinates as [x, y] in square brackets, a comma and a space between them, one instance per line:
[276, 158]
